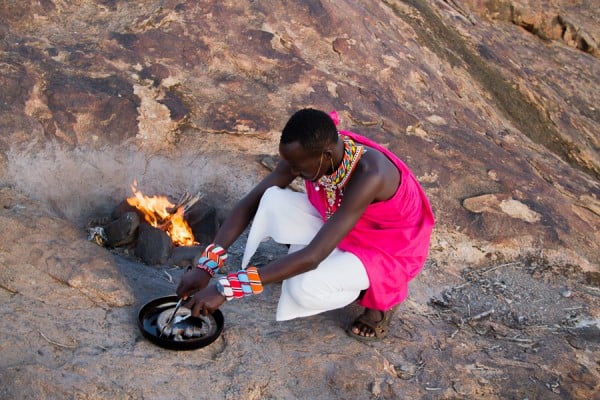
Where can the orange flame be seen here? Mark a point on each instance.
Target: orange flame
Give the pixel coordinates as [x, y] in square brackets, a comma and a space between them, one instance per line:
[155, 210]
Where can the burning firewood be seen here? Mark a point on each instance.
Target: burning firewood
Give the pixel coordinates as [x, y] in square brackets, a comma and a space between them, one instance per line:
[159, 231]
[160, 213]
[186, 201]
[114, 233]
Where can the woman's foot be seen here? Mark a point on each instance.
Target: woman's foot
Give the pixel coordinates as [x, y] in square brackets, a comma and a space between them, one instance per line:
[372, 324]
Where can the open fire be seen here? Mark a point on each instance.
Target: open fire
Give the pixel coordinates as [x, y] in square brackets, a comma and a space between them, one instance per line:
[155, 230]
[159, 212]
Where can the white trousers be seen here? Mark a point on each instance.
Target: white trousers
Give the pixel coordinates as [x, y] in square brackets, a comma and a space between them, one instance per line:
[288, 218]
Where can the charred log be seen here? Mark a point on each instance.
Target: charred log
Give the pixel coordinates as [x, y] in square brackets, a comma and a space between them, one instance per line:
[153, 246]
[122, 231]
[203, 220]
[123, 208]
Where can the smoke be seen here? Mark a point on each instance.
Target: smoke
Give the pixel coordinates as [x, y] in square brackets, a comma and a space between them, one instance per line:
[79, 184]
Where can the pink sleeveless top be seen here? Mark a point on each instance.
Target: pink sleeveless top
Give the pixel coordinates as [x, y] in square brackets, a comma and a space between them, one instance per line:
[391, 238]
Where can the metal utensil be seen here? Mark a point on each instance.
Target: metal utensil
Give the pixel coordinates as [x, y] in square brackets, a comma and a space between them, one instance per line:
[172, 317]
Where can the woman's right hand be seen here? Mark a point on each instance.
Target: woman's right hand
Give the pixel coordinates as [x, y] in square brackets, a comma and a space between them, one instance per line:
[193, 280]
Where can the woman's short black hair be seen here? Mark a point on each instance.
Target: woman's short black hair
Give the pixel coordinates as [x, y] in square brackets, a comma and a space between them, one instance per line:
[312, 128]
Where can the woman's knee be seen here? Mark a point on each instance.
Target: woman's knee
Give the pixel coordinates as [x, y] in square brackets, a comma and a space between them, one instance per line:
[271, 200]
[306, 292]
[271, 194]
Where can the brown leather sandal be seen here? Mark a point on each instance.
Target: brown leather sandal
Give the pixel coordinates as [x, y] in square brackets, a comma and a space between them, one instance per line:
[380, 328]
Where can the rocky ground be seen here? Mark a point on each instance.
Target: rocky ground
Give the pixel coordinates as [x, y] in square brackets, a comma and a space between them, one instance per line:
[519, 329]
[494, 105]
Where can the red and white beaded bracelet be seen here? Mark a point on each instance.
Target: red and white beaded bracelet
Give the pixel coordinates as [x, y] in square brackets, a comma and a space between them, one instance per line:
[239, 284]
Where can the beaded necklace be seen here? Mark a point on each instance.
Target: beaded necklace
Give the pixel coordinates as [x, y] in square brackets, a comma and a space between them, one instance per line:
[334, 183]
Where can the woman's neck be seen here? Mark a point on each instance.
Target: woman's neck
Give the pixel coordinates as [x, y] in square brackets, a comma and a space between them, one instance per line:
[337, 156]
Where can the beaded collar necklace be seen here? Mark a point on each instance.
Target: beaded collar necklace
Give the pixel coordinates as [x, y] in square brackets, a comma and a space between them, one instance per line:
[334, 183]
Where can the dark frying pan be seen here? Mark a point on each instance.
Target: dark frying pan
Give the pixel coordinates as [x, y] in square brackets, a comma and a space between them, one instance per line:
[147, 322]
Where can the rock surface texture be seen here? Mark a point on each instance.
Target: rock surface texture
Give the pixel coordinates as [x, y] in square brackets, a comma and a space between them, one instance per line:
[495, 105]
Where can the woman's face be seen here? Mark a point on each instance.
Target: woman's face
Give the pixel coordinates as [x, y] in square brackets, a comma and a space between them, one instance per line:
[309, 166]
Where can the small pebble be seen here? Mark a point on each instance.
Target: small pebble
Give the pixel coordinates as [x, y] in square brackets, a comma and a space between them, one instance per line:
[566, 293]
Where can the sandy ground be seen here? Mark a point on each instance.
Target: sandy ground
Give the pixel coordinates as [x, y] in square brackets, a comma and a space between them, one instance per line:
[508, 330]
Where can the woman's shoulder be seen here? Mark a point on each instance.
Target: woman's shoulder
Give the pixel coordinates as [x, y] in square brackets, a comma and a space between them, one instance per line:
[376, 161]
[381, 173]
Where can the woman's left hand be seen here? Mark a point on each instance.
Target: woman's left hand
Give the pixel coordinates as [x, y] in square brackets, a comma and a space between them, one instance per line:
[205, 301]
